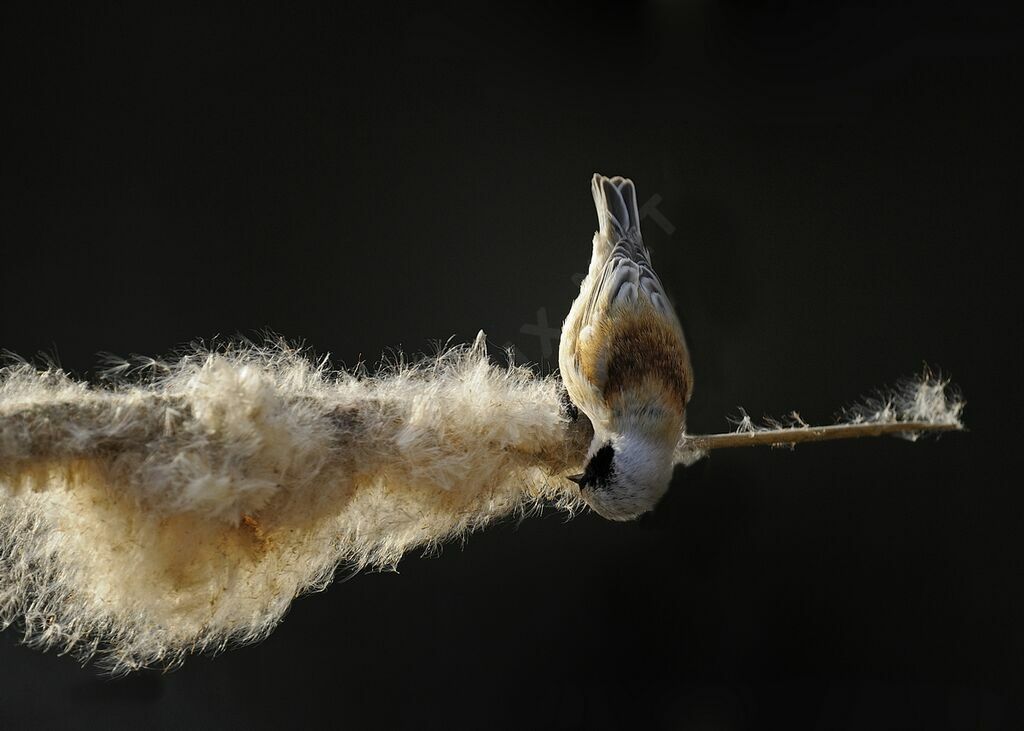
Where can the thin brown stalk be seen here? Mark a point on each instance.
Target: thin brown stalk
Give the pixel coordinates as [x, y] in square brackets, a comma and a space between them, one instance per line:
[787, 436]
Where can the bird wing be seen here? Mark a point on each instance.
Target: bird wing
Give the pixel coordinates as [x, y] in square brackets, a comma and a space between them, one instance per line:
[626, 280]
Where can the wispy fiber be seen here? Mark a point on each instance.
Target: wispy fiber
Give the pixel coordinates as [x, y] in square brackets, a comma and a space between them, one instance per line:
[185, 511]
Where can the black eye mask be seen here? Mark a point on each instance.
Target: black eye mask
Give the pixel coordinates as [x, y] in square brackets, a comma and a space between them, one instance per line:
[599, 469]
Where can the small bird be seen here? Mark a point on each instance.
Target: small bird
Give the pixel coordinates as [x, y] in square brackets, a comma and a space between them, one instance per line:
[624, 363]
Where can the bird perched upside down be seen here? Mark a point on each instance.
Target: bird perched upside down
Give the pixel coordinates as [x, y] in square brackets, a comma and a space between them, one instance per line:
[624, 363]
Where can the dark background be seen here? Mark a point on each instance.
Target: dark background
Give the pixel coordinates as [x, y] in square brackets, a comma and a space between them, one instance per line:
[839, 189]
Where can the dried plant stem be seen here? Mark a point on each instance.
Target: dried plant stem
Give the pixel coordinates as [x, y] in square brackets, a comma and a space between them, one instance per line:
[787, 436]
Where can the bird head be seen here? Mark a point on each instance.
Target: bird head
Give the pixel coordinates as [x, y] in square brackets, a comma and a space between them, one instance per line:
[625, 475]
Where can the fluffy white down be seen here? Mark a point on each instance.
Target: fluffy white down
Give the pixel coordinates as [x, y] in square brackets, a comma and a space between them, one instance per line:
[185, 510]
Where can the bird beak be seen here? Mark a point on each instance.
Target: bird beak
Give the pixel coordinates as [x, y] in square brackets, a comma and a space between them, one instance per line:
[578, 479]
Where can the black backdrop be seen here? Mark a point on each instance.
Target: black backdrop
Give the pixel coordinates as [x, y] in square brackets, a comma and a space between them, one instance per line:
[833, 198]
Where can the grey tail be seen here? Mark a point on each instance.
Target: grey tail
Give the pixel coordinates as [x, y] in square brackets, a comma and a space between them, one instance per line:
[617, 214]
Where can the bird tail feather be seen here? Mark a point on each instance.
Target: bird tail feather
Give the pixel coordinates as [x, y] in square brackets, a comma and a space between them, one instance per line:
[617, 213]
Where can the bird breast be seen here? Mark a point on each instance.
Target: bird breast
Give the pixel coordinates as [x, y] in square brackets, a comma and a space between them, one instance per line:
[638, 361]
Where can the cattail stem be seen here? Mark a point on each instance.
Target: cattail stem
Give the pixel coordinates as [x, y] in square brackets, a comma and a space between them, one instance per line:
[182, 512]
[799, 435]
